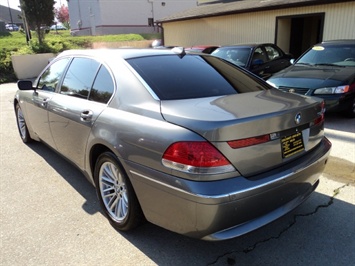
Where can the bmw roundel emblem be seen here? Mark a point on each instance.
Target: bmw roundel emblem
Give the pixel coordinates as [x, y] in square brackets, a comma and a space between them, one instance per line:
[298, 118]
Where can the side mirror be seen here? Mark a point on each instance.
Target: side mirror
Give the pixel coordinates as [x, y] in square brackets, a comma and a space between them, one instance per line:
[292, 61]
[25, 85]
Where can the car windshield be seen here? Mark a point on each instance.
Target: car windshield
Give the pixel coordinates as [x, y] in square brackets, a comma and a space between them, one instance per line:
[235, 55]
[336, 55]
[173, 77]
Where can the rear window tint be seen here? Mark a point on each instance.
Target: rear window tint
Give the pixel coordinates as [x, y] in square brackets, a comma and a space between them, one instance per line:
[192, 76]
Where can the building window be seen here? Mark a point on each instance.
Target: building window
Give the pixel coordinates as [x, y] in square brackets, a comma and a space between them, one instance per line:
[150, 22]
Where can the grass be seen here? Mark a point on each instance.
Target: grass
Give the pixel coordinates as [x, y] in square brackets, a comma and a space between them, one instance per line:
[55, 42]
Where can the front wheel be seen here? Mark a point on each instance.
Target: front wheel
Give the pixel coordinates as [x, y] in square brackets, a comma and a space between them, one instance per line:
[116, 194]
[21, 125]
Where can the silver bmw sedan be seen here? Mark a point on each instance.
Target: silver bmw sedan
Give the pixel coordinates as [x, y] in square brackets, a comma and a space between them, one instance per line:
[188, 142]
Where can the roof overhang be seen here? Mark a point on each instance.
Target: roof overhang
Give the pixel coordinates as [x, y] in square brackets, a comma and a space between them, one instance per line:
[245, 6]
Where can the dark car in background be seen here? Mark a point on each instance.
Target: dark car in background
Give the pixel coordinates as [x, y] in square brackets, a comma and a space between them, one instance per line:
[326, 70]
[186, 141]
[261, 59]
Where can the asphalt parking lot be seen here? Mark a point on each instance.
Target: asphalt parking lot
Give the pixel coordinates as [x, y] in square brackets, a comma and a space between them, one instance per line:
[50, 215]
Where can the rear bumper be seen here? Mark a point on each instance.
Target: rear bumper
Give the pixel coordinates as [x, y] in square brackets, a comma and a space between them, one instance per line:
[224, 209]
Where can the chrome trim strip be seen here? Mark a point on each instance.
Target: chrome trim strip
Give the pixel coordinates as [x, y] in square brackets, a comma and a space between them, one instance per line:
[181, 190]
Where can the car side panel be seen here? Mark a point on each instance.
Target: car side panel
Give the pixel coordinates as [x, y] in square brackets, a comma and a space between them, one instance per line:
[37, 115]
[71, 120]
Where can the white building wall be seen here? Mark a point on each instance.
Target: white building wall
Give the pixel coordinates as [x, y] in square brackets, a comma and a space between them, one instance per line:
[340, 22]
[163, 8]
[125, 12]
[121, 16]
[258, 26]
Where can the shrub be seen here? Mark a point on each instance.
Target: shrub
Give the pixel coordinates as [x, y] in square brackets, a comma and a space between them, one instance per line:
[6, 71]
[55, 42]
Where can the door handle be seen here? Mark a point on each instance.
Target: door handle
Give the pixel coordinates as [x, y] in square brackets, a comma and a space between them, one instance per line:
[45, 102]
[86, 115]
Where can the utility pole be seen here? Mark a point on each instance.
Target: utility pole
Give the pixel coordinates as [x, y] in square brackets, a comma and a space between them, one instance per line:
[25, 24]
[8, 5]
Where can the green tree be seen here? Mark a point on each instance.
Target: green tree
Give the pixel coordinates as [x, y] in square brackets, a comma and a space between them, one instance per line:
[38, 13]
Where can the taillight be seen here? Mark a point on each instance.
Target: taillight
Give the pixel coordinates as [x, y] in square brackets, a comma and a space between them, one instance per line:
[196, 157]
[241, 143]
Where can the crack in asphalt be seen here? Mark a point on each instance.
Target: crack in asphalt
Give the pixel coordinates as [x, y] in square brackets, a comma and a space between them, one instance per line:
[231, 261]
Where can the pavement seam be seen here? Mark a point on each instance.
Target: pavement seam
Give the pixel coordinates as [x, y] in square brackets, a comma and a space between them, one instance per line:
[231, 261]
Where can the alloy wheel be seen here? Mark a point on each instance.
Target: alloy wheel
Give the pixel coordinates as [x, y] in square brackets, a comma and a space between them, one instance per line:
[113, 191]
[21, 123]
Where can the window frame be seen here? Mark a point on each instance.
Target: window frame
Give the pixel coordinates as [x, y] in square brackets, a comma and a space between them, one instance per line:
[65, 70]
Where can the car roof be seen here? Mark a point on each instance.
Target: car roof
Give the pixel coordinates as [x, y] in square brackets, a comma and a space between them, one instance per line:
[201, 46]
[125, 53]
[340, 42]
[247, 45]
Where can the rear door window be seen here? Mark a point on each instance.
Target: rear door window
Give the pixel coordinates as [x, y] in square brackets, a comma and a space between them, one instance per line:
[103, 87]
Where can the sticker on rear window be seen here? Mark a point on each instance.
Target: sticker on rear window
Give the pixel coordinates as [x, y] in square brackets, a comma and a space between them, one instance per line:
[318, 48]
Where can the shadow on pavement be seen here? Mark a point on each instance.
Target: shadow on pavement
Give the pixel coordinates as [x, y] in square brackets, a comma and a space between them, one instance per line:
[71, 174]
[336, 121]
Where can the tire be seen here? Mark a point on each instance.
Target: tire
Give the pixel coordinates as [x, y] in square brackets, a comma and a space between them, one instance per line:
[21, 125]
[350, 112]
[116, 195]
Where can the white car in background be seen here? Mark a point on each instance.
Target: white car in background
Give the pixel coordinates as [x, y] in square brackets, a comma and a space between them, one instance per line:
[58, 27]
[12, 27]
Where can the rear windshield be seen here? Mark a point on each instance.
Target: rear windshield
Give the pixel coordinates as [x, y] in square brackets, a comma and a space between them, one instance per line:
[172, 77]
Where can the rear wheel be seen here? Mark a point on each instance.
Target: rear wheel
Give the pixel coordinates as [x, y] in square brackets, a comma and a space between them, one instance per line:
[116, 194]
[21, 125]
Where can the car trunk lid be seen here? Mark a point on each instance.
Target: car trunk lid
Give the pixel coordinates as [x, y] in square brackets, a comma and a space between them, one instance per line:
[228, 119]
